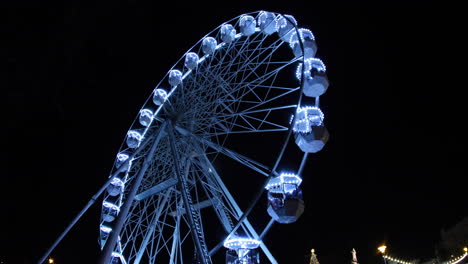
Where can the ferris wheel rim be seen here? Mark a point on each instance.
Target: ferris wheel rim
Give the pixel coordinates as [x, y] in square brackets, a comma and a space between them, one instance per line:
[174, 89]
[165, 76]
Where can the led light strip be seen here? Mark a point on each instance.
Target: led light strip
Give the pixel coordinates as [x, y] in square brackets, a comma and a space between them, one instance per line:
[398, 260]
[457, 260]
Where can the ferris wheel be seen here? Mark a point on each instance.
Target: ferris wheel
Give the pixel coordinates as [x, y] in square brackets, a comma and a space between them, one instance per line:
[225, 113]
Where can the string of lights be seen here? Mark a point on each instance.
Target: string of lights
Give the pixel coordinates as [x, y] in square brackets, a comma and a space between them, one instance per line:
[459, 258]
[455, 260]
[400, 261]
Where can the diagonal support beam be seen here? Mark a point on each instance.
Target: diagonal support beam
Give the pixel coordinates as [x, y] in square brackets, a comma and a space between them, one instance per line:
[197, 206]
[199, 244]
[119, 223]
[156, 189]
[215, 195]
[239, 212]
[92, 201]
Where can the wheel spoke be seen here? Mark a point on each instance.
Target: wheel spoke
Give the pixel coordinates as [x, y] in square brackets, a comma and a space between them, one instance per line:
[239, 212]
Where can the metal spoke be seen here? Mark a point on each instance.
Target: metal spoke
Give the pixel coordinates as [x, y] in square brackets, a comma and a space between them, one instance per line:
[239, 211]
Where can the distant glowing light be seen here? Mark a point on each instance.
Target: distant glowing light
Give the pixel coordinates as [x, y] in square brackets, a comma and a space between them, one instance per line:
[241, 243]
[399, 261]
[458, 259]
[382, 249]
[51, 260]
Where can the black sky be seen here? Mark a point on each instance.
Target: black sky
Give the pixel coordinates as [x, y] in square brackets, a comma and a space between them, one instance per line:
[393, 171]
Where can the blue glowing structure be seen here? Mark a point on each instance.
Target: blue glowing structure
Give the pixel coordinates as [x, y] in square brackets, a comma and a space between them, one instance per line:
[133, 139]
[306, 118]
[228, 33]
[159, 96]
[285, 204]
[236, 80]
[116, 187]
[209, 45]
[120, 160]
[175, 77]
[105, 229]
[110, 211]
[242, 250]
[310, 132]
[228, 87]
[286, 27]
[146, 117]
[308, 43]
[229, 82]
[103, 234]
[191, 60]
[117, 258]
[315, 81]
[247, 25]
[267, 22]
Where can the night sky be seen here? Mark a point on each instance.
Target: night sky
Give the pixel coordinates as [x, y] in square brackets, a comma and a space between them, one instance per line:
[394, 170]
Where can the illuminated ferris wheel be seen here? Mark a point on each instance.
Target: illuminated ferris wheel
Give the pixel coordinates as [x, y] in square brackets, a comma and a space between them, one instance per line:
[226, 111]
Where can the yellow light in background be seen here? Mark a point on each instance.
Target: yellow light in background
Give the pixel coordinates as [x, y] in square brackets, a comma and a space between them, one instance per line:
[51, 261]
[465, 249]
[382, 249]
